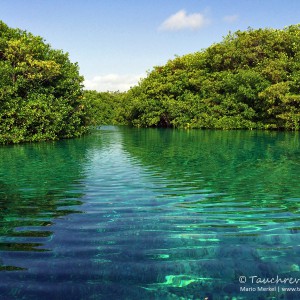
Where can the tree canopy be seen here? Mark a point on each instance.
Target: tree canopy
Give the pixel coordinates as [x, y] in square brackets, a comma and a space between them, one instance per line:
[250, 80]
[40, 90]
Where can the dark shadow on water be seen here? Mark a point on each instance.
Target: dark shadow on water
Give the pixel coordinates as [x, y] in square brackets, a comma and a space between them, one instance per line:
[38, 184]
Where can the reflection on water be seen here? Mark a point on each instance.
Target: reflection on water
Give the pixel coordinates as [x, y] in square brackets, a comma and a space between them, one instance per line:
[149, 214]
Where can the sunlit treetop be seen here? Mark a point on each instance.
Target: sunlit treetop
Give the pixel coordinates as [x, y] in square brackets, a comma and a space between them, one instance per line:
[249, 80]
[40, 90]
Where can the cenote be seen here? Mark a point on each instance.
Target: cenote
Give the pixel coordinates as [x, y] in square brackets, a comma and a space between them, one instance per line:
[150, 214]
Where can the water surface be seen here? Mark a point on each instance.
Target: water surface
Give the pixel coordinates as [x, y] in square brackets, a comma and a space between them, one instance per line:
[150, 214]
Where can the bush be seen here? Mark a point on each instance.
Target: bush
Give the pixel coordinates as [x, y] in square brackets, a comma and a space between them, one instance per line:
[40, 90]
[249, 80]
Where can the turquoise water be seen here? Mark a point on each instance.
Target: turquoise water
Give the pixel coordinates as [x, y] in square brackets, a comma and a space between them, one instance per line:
[151, 214]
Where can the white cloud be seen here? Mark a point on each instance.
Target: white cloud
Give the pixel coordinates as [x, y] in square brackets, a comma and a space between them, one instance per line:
[181, 20]
[112, 82]
[231, 18]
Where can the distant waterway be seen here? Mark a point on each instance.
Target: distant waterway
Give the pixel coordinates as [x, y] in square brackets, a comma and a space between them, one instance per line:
[128, 213]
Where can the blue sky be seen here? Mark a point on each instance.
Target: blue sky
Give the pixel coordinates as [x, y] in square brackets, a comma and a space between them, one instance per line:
[116, 41]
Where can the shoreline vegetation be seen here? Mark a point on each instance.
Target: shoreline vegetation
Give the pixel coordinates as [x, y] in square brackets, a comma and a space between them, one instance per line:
[250, 80]
[40, 90]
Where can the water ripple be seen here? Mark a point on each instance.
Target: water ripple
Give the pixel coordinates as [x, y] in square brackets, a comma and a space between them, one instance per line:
[148, 214]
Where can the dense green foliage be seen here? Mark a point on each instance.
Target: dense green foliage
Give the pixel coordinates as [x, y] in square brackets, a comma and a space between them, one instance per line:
[40, 90]
[105, 108]
[249, 80]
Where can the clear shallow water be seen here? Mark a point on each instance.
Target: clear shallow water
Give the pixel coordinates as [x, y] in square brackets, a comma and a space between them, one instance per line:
[150, 214]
